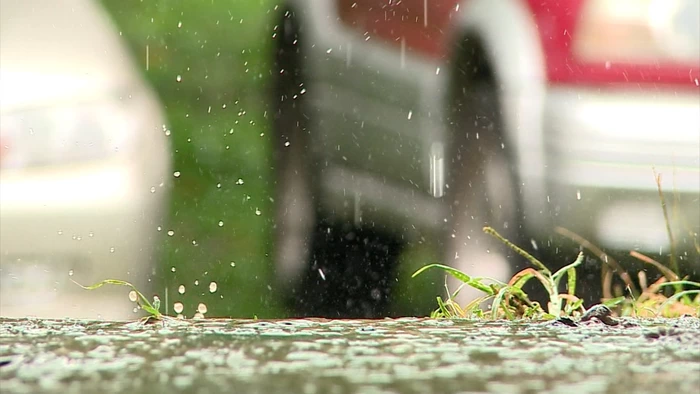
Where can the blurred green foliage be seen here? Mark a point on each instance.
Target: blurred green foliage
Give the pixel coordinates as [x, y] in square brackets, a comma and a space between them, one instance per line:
[208, 62]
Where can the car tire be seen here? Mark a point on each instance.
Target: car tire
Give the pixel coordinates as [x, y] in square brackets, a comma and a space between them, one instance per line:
[323, 268]
[294, 190]
[483, 191]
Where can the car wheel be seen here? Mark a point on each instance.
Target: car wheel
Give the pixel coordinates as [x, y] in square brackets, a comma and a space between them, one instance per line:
[483, 190]
[295, 213]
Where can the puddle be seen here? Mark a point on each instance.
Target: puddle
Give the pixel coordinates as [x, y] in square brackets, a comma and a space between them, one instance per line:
[329, 356]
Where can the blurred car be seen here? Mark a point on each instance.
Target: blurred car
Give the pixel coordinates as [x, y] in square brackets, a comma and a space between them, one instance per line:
[417, 121]
[84, 163]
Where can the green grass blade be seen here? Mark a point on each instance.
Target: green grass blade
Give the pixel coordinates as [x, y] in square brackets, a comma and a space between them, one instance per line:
[520, 251]
[613, 302]
[571, 281]
[523, 280]
[458, 275]
[676, 296]
[556, 278]
[679, 282]
[145, 305]
[497, 300]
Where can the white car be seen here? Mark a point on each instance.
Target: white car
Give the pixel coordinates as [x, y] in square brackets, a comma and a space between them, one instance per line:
[426, 120]
[84, 163]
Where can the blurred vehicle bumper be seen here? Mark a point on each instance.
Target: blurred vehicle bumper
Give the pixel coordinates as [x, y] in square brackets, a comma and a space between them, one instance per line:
[602, 148]
[82, 222]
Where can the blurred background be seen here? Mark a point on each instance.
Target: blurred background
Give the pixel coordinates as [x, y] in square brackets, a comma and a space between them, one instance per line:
[198, 88]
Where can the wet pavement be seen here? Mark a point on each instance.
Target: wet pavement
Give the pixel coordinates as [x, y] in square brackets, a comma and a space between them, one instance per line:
[334, 356]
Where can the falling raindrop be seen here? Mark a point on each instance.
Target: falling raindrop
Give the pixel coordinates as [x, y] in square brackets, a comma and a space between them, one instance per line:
[578, 194]
[172, 269]
[171, 233]
[111, 250]
[178, 78]
[202, 308]
[133, 297]
[258, 212]
[239, 181]
[178, 307]
[320, 272]
[410, 115]
[212, 287]
[181, 289]
[221, 223]
[70, 273]
[233, 264]
[176, 174]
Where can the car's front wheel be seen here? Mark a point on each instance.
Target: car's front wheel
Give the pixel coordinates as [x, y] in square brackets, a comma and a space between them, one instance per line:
[483, 191]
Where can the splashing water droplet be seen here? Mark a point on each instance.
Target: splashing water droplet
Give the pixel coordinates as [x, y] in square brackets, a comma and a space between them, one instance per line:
[212, 287]
[258, 212]
[181, 289]
[176, 174]
[201, 308]
[233, 264]
[171, 233]
[178, 307]
[70, 273]
[196, 282]
[172, 269]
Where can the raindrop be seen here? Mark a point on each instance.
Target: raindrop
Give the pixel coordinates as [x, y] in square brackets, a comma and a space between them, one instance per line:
[286, 143]
[578, 194]
[178, 78]
[179, 25]
[70, 273]
[178, 307]
[534, 244]
[437, 71]
[153, 189]
[133, 297]
[171, 233]
[172, 269]
[320, 272]
[221, 223]
[239, 181]
[181, 289]
[212, 287]
[196, 282]
[201, 308]
[60, 232]
[91, 234]
[329, 50]
[233, 264]
[176, 174]
[111, 250]
[218, 186]
[258, 212]
[410, 115]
